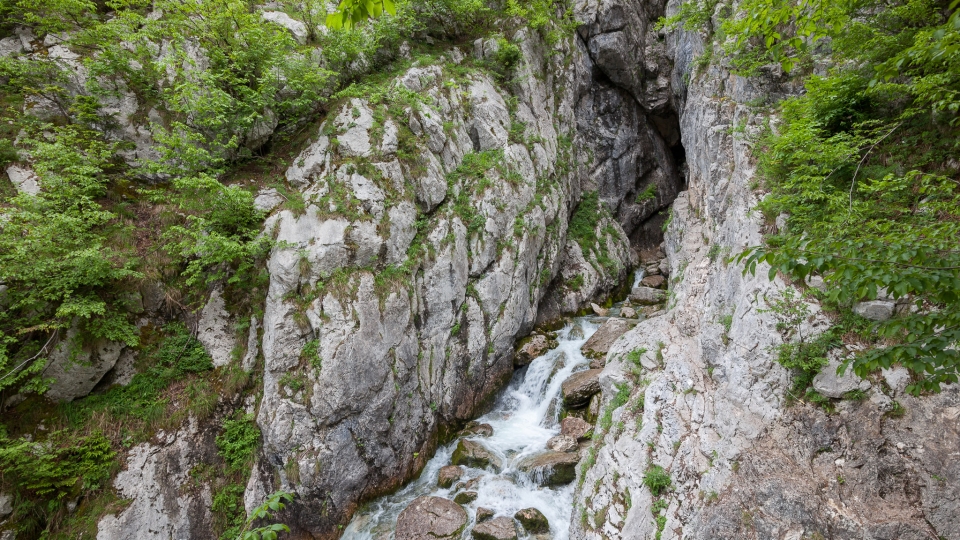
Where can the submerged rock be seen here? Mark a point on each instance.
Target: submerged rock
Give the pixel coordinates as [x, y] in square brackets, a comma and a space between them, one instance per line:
[502, 528]
[532, 348]
[465, 497]
[473, 454]
[580, 387]
[475, 429]
[448, 475]
[431, 517]
[551, 468]
[533, 521]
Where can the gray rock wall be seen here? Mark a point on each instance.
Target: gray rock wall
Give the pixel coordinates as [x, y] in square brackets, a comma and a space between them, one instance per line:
[413, 281]
[708, 402]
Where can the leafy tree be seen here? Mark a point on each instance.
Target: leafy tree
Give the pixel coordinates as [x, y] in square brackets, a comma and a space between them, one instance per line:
[58, 265]
[351, 12]
[863, 165]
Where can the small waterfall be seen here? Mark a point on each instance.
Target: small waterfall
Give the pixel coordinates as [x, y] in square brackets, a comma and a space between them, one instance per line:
[525, 418]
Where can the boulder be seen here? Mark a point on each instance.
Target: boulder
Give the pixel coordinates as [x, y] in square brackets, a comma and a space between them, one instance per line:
[484, 514]
[875, 310]
[76, 369]
[448, 475]
[828, 383]
[647, 296]
[475, 429]
[502, 528]
[599, 311]
[533, 521]
[650, 256]
[465, 497]
[551, 468]
[628, 313]
[431, 517]
[562, 443]
[267, 199]
[656, 282]
[531, 348]
[473, 454]
[296, 28]
[580, 387]
[575, 428]
[600, 342]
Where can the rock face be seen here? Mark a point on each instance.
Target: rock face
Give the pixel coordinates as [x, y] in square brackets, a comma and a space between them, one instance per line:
[152, 481]
[414, 280]
[714, 412]
[580, 387]
[551, 468]
[431, 517]
[502, 528]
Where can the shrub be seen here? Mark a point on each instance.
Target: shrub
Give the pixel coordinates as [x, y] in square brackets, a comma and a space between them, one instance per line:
[238, 442]
[657, 480]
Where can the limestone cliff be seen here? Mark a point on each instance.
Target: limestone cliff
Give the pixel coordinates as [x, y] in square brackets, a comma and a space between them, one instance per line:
[709, 405]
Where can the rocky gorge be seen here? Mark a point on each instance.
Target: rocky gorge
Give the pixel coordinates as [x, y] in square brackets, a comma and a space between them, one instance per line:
[508, 307]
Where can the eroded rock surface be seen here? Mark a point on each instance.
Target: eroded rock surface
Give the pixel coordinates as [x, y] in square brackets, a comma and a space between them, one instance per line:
[431, 517]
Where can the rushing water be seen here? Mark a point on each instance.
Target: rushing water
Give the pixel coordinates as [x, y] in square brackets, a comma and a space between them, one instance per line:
[524, 419]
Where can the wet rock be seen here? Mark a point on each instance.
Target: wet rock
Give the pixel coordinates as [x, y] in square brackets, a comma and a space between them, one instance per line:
[628, 313]
[473, 454]
[875, 310]
[448, 475]
[647, 296]
[502, 528]
[598, 363]
[562, 443]
[580, 387]
[533, 521]
[475, 429]
[469, 485]
[576, 332]
[531, 348]
[431, 517]
[600, 342]
[551, 468]
[575, 428]
[484, 514]
[599, 311]
[828, 383]
[465, 497]
[656, 282]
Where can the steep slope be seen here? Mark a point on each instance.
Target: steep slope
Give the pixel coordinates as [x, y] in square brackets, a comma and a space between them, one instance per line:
[701, 441]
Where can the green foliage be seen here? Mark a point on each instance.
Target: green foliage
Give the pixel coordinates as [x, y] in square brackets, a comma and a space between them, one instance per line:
[657, 480]
[507, 56]
[862, 166]
[648, 194]
[61, 465]
[219, 235]
[238, 443]
[275, 502]
[58, 258]
[692, 15]
[228, 505]
[351, 12]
